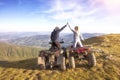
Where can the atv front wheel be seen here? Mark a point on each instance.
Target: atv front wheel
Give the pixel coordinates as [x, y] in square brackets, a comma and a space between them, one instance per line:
[42, 66]
[41, 62]
[63, 64]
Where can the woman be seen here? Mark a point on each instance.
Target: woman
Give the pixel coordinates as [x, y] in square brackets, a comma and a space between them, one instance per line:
[77, 37]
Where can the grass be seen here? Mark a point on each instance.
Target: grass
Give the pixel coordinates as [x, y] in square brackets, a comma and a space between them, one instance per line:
[14, 52]
[27, 70]
[106, 68]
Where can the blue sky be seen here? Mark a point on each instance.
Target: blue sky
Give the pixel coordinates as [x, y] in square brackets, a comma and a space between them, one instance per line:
[100, 16]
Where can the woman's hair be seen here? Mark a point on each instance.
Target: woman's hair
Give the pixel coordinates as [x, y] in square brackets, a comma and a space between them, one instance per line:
[76, 28]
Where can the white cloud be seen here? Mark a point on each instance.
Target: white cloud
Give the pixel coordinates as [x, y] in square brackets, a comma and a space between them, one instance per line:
[90, 15]
[112, 6]
[109, 24]
[69, 9]
[34, 24]
[97, 14]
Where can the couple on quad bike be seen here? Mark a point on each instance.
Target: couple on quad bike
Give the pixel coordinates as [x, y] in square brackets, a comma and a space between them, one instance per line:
[76, 38]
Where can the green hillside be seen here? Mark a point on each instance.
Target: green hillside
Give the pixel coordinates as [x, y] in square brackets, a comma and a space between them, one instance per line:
[13, 52]
[107, 68]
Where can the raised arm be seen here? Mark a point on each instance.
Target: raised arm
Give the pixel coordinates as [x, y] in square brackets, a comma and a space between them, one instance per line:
[70, 27]
[62, 28]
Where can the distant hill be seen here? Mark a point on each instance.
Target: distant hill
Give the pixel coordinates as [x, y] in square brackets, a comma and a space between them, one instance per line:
[39, 39]
[110, 39]
[110, 43]
[14, 35]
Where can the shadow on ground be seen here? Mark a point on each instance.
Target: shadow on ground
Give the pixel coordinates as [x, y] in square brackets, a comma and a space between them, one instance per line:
[31, 64]
[24, 64]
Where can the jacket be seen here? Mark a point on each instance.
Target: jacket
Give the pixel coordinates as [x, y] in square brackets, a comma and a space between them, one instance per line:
[55, 34]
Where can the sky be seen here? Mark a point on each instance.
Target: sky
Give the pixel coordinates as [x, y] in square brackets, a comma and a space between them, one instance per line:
[92, 16]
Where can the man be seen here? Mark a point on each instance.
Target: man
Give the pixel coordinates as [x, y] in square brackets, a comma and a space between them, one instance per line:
[55, 37]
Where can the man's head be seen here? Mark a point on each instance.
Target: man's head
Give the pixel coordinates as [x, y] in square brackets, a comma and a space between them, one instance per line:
[76, 28]
[56, 28]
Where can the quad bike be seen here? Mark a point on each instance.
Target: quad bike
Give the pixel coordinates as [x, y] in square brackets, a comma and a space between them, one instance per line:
[52, 57]
[85, 52]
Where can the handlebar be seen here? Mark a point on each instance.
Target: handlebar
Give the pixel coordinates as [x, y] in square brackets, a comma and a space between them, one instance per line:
[59, 42]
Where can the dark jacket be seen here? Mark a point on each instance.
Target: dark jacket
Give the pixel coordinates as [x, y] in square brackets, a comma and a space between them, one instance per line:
[55, 34]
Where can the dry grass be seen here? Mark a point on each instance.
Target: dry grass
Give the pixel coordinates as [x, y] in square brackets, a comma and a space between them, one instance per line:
[27, 70]
[107, 67]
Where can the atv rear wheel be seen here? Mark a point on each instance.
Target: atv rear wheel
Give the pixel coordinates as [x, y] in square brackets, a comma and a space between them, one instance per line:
[72, 62]
[91, 59]
[63, 63]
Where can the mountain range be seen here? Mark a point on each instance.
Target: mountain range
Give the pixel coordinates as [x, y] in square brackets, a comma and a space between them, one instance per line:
[38, 39]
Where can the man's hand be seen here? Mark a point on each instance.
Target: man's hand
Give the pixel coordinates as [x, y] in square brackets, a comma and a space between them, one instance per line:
[68, 24]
